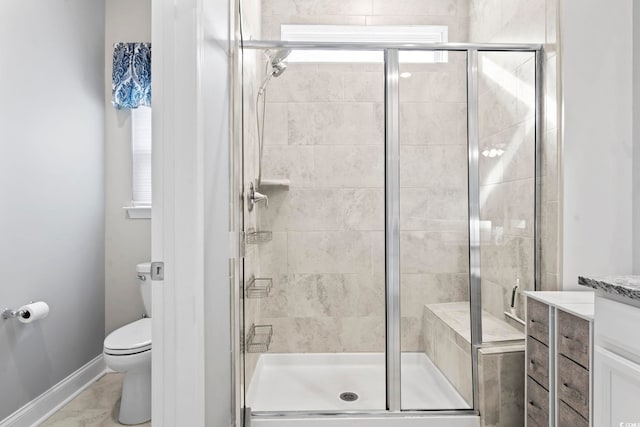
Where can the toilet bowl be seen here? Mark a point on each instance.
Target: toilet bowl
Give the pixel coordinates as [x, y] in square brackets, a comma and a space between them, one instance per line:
[128, 350]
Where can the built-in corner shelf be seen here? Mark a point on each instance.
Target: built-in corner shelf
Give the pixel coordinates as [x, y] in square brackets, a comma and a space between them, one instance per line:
[259, 287]
[254, 237]
[259, 338]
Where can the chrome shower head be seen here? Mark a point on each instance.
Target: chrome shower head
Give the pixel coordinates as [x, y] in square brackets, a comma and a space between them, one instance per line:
[278, 56]
[276, 62]
[278, 69]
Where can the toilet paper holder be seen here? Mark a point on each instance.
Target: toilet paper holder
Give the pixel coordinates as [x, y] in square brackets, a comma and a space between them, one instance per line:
[12, 314]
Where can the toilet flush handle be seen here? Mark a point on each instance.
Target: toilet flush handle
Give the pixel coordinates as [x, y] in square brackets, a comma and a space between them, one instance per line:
[142, 277]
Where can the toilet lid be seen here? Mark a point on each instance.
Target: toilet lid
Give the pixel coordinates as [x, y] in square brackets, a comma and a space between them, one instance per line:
[132, 338]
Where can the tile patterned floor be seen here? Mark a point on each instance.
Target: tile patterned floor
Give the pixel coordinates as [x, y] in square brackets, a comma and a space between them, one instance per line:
[97, 406]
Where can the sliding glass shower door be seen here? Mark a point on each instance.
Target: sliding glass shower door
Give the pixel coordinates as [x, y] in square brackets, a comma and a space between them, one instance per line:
[363, 214]
[314, 299]
[436, 361]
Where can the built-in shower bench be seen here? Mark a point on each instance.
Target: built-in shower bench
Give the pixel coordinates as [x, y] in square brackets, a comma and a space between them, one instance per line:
[447, 340]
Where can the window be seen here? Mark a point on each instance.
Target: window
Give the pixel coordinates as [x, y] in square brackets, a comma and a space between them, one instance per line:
[365, 33]
[141, 162]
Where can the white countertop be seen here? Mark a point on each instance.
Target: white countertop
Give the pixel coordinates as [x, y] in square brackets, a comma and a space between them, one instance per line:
[578, 303]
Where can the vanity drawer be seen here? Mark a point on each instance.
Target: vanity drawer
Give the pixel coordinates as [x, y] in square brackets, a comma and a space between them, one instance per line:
[573, 338]
[537, 404]
[567, 417]
[538, 362]
[538, 320]
[573, 385]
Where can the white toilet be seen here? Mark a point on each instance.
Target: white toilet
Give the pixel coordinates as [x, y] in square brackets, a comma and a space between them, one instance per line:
[128, 350]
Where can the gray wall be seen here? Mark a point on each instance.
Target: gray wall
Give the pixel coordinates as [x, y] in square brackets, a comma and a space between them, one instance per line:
[597, 146]
[128, 240]
[51, 191]
[636, 138]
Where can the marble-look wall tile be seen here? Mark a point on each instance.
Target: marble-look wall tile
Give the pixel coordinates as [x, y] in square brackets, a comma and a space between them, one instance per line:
[362, 334]
[551, 22]
[495, 298]
[418, 290]
[271, 24]
[519, 145]
[273, 255]
[333, 124]
[522, 22]
[378, 252]
[457, 25]
[277, 304]
[439, 86]
[305, 83]
[316, 7]
[329, 252]
[364, 86]
[293, 163]
[276, 124]
[423, 123]
[434, 209]
[417, 7]
[411, 336]
[520, 207]
[433, 252]
[438, 166]
[302, 209]
[526, 89]
[454, 362]
[363, 209]
[497, 110]
[305, 335]
[349, 166]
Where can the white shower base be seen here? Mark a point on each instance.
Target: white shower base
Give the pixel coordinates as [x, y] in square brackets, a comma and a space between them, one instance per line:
[314, 382]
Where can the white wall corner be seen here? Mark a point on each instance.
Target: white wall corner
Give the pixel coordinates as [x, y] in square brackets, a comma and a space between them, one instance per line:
[45, 405]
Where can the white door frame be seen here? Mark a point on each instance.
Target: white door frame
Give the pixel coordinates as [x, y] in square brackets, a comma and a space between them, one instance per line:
[190, 226]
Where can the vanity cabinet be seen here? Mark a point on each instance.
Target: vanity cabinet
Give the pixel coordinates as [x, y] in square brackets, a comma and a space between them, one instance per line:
[617, 364]
[559, 356]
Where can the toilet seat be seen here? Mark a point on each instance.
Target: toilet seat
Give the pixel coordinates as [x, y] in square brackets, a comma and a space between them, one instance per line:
[129, 339]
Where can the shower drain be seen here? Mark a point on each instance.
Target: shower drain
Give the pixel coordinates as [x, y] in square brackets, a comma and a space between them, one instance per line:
[349, 396]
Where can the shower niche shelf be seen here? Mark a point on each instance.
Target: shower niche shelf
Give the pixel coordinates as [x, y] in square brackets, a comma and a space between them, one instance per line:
[254, 237]
[259, 338]
[259, 287]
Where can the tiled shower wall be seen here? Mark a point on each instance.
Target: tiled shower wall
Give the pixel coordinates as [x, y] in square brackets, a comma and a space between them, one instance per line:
[324, 132]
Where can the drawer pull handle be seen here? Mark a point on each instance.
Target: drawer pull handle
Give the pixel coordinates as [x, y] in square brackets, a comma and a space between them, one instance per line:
[532, 403]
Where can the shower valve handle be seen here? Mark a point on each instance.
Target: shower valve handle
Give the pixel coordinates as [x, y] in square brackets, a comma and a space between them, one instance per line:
[256, 197]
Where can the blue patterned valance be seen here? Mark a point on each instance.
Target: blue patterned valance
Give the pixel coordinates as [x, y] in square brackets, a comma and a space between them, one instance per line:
[131, 85]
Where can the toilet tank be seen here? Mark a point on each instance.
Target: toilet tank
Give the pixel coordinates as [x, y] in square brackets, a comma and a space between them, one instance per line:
[144, 279]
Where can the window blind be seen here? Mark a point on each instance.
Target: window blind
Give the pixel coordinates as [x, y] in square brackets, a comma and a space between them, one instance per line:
[141, 155]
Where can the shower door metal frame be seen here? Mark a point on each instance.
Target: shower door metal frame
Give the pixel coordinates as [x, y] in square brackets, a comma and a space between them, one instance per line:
[392, 210]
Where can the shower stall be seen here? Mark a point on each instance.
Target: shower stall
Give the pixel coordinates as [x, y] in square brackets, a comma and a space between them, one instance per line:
[390, 223]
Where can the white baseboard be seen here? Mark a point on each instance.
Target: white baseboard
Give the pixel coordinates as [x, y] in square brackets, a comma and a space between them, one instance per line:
[43, 406]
